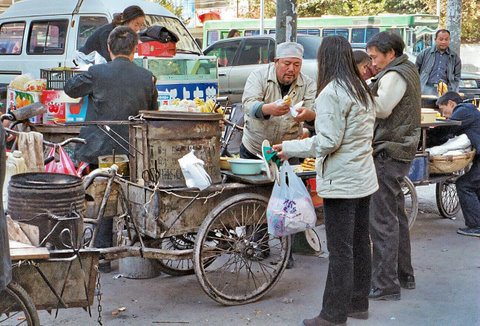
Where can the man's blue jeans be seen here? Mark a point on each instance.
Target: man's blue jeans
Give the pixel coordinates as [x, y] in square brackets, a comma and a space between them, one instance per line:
[468, 189]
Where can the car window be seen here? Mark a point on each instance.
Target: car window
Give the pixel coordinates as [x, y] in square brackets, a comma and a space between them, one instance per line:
[224, 51]
[335, 31]
[310, 46]
[212, 37]
[255, 51]
[252, 32]
[11, 38]
[186, 42]
[86, 27]
[47, 37]
[363, 35]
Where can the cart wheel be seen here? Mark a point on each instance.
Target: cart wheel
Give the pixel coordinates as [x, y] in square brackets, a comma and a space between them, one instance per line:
[447, 199]
[17, 308]
[176, 267]
[248, 261]
[411, 201]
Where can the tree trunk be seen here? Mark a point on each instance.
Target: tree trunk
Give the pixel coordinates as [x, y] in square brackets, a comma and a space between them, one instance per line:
[454, 23]
[286, 24]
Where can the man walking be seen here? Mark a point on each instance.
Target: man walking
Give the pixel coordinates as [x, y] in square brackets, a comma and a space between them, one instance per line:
[397, 132]
[439, 64]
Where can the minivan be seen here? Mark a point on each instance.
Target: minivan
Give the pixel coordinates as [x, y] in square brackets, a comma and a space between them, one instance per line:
[39, 34]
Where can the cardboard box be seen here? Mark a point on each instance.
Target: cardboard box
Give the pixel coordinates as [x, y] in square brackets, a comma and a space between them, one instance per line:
[18, 99]
[56, 110]
[77, 112]
[157, 49]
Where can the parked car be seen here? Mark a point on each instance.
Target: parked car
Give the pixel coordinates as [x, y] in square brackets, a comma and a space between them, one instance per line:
[470, 84]
[238, 57]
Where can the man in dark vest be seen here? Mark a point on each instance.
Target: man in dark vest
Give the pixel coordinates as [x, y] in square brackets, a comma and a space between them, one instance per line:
[397, 133]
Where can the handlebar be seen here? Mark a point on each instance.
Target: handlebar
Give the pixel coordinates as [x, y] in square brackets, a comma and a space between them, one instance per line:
[66, 141]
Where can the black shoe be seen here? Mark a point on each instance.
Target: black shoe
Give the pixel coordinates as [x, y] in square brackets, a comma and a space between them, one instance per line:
[473, 232]
[378, 294]
[319, 321]
[358, 314]
[407, 282]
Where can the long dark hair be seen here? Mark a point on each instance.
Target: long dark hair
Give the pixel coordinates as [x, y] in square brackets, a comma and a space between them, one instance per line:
[128, 14]
[335, 62]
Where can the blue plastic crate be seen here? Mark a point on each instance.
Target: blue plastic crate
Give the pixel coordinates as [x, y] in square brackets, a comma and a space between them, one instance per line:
[419, 168]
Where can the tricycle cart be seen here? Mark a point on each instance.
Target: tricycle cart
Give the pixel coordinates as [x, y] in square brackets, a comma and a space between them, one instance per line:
[220, 234]
[420, 174]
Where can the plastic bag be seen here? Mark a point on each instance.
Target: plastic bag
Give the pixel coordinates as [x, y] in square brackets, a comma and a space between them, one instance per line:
[64, 165]
[455, 143]
[290, 209]
[19, 82]
[194, 172]
[83, 61]
[293, 108]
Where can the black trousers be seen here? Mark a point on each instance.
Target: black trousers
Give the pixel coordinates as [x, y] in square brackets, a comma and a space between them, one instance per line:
[389, 226]
[468, 189]
[349, 268]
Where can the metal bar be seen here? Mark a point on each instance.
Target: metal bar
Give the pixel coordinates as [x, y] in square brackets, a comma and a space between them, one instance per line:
[116, 141]
[103, 205]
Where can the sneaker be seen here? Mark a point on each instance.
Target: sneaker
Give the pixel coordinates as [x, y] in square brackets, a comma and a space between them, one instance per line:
[473, 232]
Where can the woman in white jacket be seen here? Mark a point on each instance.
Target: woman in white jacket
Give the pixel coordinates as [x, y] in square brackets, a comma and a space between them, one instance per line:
[346, 178]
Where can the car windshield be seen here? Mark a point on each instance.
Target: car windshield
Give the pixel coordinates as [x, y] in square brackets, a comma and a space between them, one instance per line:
[186, 43]
[310, 46]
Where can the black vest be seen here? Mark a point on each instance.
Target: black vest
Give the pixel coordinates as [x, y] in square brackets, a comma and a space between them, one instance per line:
[399, 134]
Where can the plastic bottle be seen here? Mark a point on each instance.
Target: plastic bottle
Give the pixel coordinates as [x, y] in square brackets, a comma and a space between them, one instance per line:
[15, 164]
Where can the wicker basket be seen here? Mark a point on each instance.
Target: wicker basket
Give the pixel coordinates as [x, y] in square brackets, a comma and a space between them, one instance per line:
[449, 164]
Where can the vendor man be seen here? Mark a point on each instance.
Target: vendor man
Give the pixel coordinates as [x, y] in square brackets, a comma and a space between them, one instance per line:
[468, 185]
[116, 90]
[265, 116]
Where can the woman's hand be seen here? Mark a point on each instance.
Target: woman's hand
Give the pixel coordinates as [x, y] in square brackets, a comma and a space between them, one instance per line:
[278, 148]
[304, 114]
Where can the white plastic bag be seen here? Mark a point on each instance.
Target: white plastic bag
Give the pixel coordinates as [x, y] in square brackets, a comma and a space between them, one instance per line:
[83, 61]
[290, 209]
[455, 143]
[194, 172]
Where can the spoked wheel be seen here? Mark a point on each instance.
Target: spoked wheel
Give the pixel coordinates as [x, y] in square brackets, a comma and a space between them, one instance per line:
[447, 199]
[248, 261]
[16, 307]
[176, 267]
[411, 201]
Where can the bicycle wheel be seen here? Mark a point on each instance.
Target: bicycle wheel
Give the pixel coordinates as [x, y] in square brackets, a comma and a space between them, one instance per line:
[179, 267]
[447, 199]
[248, 261]
[17, 308]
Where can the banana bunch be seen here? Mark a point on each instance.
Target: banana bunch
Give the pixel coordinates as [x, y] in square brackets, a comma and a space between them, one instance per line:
[442, 88]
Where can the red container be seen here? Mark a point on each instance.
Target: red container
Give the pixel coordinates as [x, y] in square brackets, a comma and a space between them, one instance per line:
[157, 49]
[312, 189]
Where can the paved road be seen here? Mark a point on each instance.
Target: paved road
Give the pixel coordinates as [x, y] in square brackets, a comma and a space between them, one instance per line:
[447, 268]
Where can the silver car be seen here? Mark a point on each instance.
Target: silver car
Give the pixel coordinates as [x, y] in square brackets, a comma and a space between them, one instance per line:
[238, 57]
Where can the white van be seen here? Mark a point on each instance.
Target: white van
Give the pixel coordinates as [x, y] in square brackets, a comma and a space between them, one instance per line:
[38, 34]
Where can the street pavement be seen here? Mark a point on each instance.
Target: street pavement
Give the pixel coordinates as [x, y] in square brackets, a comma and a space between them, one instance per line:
[447, 271]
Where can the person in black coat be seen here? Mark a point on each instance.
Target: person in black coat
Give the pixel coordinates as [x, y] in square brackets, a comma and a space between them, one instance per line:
[468, 185]
[132, 16]
[116, 90]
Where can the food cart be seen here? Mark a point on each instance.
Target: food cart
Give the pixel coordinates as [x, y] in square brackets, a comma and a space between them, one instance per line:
[423, 173]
